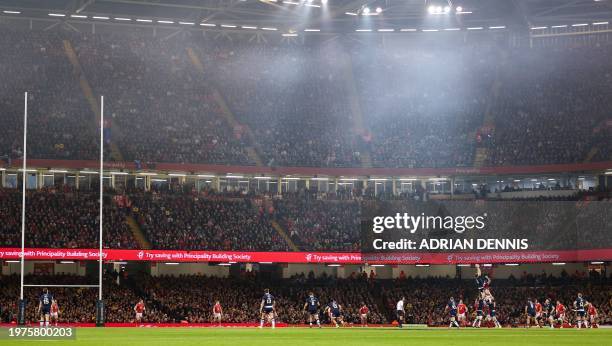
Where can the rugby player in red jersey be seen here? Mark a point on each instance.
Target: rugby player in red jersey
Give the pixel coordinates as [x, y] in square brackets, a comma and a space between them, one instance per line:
[54, 312]
[462, 313]
[560, 313]
[217, 312]
[363, 314]
[592, 311]
[139, 309]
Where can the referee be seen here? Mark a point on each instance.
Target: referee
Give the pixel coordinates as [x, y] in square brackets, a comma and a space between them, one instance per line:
[400, 312]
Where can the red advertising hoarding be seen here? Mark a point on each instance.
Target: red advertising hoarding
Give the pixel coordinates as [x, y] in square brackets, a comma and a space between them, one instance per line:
[310, 257]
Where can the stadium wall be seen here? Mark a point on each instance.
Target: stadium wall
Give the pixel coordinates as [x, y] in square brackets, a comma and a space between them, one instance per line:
[293, 269]
[500, 271]
[35, 267]
[393, 272]
[189, 269]
[503, 272]
[289, 270]
[532, 194]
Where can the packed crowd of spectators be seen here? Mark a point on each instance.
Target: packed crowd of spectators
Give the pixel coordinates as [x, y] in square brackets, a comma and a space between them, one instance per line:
[190, 298]
[294, 98]
[200, 223]
[182, 219]
[603, 138]
[320, 225]
[161, 108]
[423, 106]
[314, 104]
[546, 117]
[60, 219]
[60, 124]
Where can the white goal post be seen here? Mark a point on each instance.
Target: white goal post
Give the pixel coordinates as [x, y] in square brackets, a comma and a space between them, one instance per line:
[100, 312]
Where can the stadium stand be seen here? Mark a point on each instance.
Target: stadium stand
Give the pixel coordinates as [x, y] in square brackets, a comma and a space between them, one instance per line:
[185, 220]
[62, 127]
[409, 126]
[320, 225]
[295, 101]
[61, 219]
[294, 98]
[160, 108]
[194, 223]
[537, 108]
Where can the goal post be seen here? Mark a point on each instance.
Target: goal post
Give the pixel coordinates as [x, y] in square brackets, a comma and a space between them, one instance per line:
[100, 313]
[21, 315]
[22, 305]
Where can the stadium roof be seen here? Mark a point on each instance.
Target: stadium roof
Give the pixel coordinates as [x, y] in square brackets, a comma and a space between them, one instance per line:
[328, 15]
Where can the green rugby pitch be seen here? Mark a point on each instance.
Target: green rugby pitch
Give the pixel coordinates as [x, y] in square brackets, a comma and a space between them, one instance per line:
[330, 336]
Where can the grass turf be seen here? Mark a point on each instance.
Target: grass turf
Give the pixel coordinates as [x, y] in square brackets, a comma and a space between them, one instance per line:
[327, 336]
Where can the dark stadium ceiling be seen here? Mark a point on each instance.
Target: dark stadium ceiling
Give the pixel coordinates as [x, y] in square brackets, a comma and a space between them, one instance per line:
[331, 15]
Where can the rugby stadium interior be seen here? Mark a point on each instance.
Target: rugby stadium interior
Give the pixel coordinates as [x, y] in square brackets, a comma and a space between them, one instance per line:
[189, 152]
